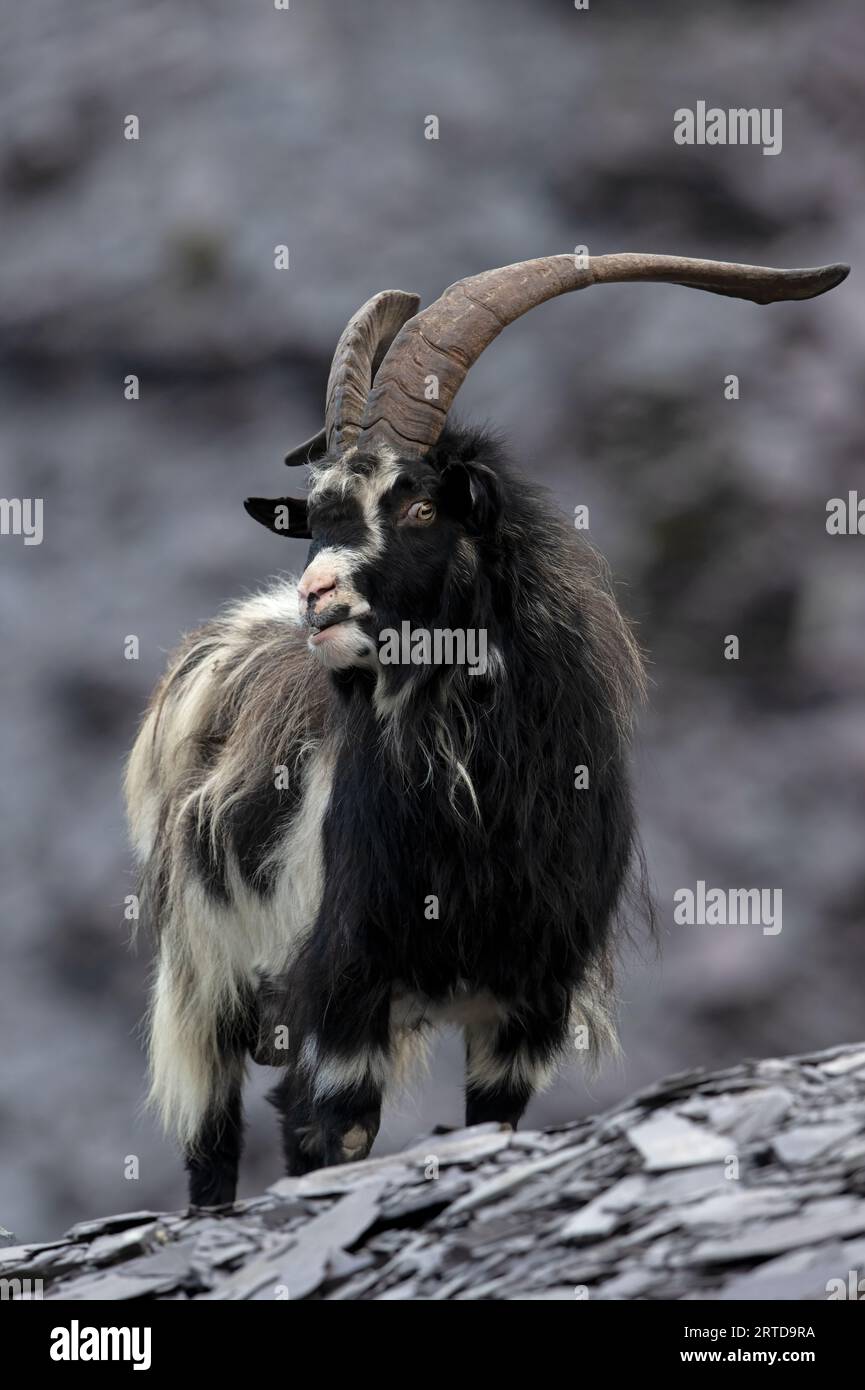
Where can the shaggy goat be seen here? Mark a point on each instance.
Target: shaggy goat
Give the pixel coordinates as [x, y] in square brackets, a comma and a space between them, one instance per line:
[340, 852]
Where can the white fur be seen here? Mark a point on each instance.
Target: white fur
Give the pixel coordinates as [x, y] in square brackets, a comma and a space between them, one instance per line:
[218, 949]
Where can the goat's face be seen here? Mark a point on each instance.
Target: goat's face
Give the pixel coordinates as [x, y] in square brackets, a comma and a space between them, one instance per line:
[392, 541]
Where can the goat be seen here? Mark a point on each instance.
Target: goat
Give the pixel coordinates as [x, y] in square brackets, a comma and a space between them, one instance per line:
[340, 853]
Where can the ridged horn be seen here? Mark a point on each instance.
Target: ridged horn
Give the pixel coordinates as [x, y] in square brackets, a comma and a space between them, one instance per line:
[446, 339]
[362, 346]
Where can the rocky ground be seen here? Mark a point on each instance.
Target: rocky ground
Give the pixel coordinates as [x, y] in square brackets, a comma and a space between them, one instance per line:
[747, 1183]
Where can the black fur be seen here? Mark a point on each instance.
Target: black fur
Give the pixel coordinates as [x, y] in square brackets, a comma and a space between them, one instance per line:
[464, 795]
[529, 886]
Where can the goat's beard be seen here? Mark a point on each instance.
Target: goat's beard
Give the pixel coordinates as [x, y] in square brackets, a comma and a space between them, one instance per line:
[343, 646]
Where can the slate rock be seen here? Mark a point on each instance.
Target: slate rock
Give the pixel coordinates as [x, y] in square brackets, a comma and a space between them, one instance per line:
[642, 1202]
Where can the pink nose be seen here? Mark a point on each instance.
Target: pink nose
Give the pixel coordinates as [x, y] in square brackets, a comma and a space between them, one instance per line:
[313, 587]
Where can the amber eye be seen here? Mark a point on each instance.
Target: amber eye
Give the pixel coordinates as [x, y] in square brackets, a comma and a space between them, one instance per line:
[421, 513]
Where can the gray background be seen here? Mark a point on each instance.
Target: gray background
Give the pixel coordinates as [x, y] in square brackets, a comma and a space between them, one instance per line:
[156, 257]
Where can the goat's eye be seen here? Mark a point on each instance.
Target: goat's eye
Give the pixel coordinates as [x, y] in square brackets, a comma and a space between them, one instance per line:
[421, 513]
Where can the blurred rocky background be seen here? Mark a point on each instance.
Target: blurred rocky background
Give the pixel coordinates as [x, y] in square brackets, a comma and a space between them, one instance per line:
[306, 127]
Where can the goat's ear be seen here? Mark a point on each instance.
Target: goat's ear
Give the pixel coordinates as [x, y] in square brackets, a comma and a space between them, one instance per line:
[471, 493]
[284, 515]
[308, 451]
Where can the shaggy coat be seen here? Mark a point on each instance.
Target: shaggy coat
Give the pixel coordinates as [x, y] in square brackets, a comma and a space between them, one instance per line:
[336, 860]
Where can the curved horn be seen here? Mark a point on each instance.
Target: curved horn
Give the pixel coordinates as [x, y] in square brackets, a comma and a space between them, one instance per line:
[447, 338]
[361, 348]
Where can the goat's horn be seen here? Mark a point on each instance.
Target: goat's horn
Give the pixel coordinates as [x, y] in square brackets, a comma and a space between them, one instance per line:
[359, 352]
[440, 344]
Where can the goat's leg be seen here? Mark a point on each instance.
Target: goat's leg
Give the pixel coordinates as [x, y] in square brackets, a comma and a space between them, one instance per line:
[310, 1138]
[349, 1120]
[330, 1098]
[317, 1132]
[508, 1061]
[345, 1081]
[197, 1057]
[212, 1162]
